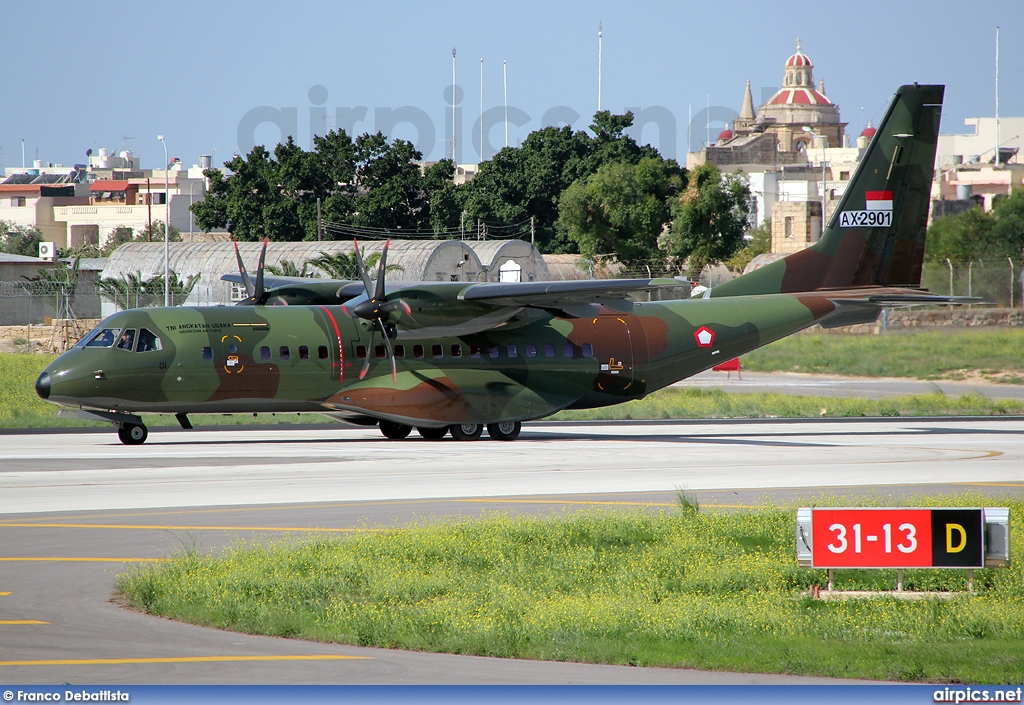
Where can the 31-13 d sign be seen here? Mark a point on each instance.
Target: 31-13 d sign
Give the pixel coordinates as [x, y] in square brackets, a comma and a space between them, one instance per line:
[898, 538]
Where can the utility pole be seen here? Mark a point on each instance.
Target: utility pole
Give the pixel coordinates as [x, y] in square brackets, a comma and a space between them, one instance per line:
[504, 80]
[481, 110]
[533, 231]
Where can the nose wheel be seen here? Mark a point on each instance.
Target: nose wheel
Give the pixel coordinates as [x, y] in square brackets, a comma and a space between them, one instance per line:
[132, 434]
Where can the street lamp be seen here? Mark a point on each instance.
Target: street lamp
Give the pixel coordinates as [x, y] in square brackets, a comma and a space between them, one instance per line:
[821, 140]
[167, 225]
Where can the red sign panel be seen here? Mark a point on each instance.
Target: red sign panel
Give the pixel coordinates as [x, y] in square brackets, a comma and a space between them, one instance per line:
[872, 538]
[897, 538]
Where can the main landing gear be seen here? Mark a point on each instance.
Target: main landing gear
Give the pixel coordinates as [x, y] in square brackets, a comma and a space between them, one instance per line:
[501, 431]
[132, 434]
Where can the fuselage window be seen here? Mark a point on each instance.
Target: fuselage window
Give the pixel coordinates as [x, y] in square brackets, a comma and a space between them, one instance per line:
[531, 350]
[588, 350]
[303, 352]
[437, 351]
[456, 350]
[474, 351]
[417, 351]
[104, 339]
[232, 348]
[208, 353]
[321, 352]
[361, 351]
[285, 353]
[567, 350]
[399, 351]
[379, 352]
[148, 341]
[264, 352]
[494, 351]
[127, 340]
[513, 350]
[549, 349]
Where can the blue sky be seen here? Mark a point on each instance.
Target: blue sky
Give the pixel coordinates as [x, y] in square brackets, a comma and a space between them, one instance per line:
[115, 74]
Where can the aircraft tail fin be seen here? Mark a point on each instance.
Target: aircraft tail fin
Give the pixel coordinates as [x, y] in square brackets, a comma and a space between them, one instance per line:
[875, 238]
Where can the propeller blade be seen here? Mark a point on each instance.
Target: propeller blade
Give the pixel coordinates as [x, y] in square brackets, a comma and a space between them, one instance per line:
[246, 281]
[369, 352]
[397, 305]
[391, 354]
[380, 271]
[258, 288]
[362, 271]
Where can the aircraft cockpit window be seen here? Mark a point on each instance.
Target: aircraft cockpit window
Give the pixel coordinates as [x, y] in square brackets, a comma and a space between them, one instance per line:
[148, 341]
[207, 353]
[104, 338]
[264, 352]
[588, 350]
[127, 340]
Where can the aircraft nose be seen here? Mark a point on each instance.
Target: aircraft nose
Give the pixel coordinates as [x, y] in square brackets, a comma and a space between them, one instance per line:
[43, 386]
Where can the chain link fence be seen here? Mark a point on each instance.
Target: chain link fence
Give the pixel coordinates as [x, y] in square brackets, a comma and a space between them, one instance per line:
[997, 281]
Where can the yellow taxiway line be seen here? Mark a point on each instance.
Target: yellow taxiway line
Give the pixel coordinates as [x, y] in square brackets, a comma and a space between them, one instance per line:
[178, 659]
[7, 622]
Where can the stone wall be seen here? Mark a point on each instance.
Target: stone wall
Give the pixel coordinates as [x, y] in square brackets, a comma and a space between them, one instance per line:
[952, 317]
[53, 336]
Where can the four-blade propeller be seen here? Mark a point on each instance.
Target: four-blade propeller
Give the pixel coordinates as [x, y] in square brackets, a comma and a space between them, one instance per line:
[377, 309]
[254, 291]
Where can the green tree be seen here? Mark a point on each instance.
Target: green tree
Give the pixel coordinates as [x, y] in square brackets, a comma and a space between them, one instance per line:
[287, 268]
[344, 265]
[390, 184]
[155, 233]
[622, 209]
[709, 218]
[758, 242]
[130, 290]
[20, 239]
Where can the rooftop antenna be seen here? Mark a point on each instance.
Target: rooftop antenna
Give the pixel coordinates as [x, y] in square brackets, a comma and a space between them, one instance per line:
[454, 154]
[504, 79]
[23, 153]
[599, 47]
[997, 96]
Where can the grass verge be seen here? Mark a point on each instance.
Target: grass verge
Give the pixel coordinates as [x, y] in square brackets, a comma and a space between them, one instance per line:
[992, 354]
[694, 589]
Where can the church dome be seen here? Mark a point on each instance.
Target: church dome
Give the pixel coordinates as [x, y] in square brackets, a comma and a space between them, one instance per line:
[798, 59]
[868, 132]
[798, 83]
[799, 96]
[724, 135]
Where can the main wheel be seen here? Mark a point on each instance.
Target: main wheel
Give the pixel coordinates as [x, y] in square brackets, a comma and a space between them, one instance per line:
[504, 430]
[394, 431]
[466, 431]
[132, 434]
[432, 434]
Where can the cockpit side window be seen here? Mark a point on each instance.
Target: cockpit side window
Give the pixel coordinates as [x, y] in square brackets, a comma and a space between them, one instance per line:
[148, 341]
[127, 340]
[104, 338]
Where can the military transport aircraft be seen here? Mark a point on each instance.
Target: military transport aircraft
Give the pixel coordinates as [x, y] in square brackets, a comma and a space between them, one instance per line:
[456, 357]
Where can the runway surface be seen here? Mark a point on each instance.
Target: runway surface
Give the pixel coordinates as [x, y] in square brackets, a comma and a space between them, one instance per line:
[78, 508]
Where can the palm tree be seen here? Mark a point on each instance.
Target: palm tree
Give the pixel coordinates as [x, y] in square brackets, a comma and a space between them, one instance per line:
[344, 265]
[287, 268]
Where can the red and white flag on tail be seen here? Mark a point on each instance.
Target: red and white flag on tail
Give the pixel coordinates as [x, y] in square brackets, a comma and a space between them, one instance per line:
[878, 200]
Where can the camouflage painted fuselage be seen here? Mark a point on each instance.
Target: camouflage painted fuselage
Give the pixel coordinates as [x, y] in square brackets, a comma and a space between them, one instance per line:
[530, 367]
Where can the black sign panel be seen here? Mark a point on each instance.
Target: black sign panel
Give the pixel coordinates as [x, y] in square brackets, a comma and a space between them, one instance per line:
[957, 538]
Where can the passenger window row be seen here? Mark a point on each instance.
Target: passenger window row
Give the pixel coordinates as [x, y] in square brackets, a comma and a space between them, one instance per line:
[456, 351]
[284, 352]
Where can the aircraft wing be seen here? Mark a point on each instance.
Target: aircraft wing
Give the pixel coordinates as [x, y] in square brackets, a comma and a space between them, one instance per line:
[574, 299]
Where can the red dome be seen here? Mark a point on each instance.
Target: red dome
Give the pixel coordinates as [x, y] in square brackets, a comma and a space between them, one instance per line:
[724, 135]
[799, 96]
[868, 132]
[798, 59]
